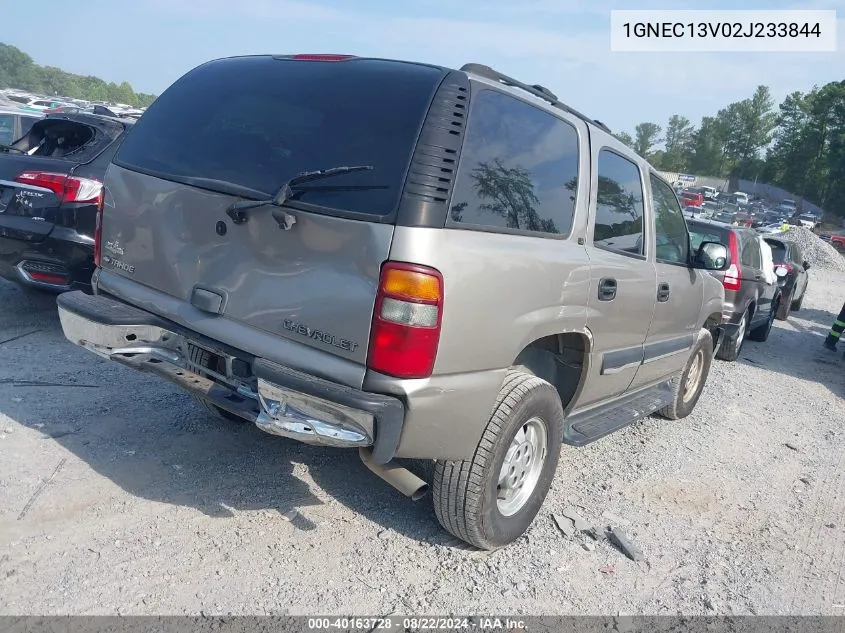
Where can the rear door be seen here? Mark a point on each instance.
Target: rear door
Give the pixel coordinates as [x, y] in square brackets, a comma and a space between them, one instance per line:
[191, 156]
[679, 290]
[622, 289]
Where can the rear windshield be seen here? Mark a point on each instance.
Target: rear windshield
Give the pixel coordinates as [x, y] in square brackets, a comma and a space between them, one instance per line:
[778, 251]
[64, 139]
[256, 122]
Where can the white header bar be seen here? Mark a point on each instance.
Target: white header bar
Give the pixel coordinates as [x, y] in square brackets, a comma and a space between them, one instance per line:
[723, 31]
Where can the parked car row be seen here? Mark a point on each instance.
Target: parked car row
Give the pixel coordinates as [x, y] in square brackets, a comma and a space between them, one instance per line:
[310, 252]
[47, 105]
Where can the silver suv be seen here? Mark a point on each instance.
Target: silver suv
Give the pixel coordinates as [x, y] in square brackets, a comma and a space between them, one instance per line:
[410, 260]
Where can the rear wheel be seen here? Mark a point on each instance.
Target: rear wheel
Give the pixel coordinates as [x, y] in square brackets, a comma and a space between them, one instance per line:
[732, 345]
[796, 305]
[761, 333]
[687, 388]
[492, 498]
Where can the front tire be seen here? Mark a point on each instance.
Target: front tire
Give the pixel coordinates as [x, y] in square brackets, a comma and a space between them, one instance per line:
[761, 333]
[687, 388]
[796, 305]
[732, 345]
[490, 500]
[786, 306]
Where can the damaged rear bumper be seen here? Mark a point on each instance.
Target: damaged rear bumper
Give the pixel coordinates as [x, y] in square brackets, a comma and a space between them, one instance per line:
[278, 399]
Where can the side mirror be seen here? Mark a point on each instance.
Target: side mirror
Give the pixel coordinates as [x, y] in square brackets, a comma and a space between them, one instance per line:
[711, 256]
[806, 265]
[780, 271]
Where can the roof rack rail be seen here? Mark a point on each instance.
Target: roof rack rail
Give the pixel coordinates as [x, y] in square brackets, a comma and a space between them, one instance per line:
[537, 90]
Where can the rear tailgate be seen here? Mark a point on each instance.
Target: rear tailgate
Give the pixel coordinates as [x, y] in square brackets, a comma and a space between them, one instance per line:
[189, 158]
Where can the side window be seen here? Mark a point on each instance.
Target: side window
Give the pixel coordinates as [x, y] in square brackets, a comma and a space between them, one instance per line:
[619, 204]
[670, 228]
[797, 255]
[751, 255]
[518, 169]
[7, 128]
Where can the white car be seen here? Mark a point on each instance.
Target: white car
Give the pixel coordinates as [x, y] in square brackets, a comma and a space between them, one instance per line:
[709, 192]
[775, 227]
[808, 221]
[740, 197]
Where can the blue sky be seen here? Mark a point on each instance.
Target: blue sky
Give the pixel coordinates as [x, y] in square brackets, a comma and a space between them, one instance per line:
[563, 44]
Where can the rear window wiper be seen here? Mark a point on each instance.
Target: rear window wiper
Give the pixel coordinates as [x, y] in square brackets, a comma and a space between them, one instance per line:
[238, 210]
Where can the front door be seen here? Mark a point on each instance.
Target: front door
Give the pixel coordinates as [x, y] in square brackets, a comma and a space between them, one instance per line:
[621, 300]
[678, 291]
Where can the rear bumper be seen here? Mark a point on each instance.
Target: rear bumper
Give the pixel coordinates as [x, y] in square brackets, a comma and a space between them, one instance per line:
[279, 400]
[65, 254]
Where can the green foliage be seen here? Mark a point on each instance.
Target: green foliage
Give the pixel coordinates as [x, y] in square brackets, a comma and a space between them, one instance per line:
[799, 147]
[679, 139]
[18, 70]
[625, 138]
[646, 137]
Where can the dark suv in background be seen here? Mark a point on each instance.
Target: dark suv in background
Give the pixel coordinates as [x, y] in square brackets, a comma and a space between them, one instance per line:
[793, 285]
[751, 303]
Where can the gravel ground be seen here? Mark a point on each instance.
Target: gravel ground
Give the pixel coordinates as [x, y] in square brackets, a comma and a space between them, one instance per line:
[119, 496]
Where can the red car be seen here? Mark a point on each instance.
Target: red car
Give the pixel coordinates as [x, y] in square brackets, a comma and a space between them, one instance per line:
[690, 199]
[834, 238]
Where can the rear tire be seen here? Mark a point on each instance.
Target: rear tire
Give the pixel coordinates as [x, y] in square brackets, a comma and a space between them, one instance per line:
[481, 500]
[796, 305]
[760, 334]
[732, 345]
[687, 388]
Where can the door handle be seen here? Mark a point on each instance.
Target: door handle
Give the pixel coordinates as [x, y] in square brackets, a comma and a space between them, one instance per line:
[607, 289]
[663, 292]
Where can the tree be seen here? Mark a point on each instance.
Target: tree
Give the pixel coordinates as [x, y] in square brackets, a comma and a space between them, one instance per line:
[750, 123]
[18, 70]
[509, 193]
[647, 136]
[625, 138]
[679, 141]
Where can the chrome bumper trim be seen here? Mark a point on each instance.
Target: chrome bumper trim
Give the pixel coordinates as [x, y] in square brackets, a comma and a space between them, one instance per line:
[311, 420]
[281, 411]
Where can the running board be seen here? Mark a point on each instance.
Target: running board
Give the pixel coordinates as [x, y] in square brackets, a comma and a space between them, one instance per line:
[588, 426]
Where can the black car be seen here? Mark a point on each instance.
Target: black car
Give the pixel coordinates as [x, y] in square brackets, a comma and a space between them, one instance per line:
[787, 255]
[50, 187]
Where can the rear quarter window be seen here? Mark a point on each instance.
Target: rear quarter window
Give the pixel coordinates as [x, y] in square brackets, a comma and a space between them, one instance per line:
[271, 119]
[518, 168]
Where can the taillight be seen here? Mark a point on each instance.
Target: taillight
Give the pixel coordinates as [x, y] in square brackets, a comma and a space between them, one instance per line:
[733, 276]
[406, 321]
[67, 188]
[311, 57]
[98, 229]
